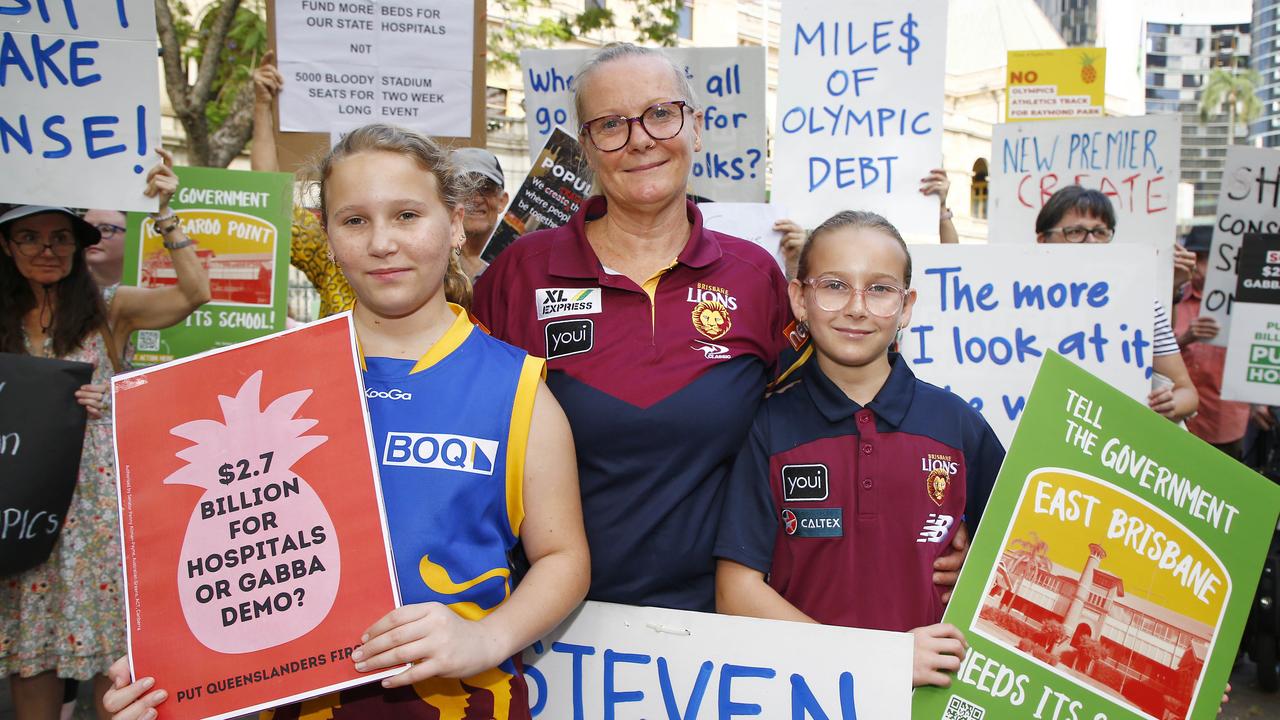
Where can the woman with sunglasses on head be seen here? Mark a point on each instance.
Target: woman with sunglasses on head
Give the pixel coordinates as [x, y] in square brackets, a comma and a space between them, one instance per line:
[64, 618]
[660, 335]
[1076, 215]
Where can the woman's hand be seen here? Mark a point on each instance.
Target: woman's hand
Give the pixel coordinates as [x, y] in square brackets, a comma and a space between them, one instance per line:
[1202, 328]
[936, 183]
[792, 242]
[130, 701]
[162, 182]
[95, 399]
[1262, 417]
[1184, 264]
[1161, 400]
[938, 651]
[267, 80]
[433, 638]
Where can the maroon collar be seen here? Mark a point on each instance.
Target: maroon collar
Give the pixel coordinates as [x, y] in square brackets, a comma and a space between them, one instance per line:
[572, 256]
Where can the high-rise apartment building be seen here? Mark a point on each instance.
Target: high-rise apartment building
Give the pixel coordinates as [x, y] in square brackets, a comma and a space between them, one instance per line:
[1075, 20]
[1179, 58]
[1266, 60]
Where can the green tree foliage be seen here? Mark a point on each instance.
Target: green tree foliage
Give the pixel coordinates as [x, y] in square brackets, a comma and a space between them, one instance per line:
[655, 21]
[208, 58]
[1236, 91]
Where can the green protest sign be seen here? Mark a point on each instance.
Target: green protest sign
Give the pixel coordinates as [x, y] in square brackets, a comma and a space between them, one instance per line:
[1114, 568]
[241, 224]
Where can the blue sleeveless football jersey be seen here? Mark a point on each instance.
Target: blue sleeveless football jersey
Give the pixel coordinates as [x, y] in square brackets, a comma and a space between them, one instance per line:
[450, 433]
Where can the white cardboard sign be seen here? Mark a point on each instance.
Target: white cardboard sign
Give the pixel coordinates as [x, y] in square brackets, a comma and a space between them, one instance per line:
[611, 660]
[749, 221]
[985, 314]
[1249, 203]
[860, 109]
[729, 86]
[79, 103]
[351, 62]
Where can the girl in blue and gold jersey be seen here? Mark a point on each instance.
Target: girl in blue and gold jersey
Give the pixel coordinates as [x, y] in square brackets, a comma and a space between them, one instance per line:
[476, 455]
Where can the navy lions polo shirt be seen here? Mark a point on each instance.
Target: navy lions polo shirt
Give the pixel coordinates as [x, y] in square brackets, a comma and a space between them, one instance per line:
[845, 508]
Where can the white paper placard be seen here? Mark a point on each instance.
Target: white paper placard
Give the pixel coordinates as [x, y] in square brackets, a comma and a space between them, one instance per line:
[860, 109]
[79, 103]
[351, 62]
[749, 221]
[1249, 203]
[729, 86]
[611, 660]
[985, 314]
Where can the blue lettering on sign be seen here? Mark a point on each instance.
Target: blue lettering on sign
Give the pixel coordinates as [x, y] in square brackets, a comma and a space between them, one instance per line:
[552, 80]
[614, 697]
[1013, 409]
[849, 38]
[805, 705]
[922, 357]
[857, 172]
[1017, 151]
[729, 673]
[695, 695]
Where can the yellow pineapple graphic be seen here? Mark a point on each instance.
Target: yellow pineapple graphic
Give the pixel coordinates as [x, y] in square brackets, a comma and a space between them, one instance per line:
[1088, 73]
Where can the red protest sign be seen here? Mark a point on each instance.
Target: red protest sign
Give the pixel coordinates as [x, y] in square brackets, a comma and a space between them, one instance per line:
[254, 543]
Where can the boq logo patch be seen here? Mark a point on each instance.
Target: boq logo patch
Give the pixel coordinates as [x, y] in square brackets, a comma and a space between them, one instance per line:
[711, 318]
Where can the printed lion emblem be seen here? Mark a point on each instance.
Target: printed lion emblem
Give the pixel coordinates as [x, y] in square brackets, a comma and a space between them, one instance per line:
[936, 485]
[711, 318]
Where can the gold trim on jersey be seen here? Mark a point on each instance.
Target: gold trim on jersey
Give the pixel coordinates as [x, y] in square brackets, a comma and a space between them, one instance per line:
[532, 372]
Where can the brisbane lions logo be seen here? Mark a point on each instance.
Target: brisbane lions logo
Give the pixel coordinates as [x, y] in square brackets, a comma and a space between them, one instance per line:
[711, 318]
[936, 485]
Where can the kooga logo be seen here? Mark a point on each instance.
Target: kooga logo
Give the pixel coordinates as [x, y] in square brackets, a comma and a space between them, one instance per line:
[392, 394]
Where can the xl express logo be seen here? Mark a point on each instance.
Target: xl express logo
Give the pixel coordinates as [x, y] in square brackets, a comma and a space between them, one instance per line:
[441, 452]
[555, 302]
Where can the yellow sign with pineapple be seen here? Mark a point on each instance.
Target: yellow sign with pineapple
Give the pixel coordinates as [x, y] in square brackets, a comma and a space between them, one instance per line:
[1048, 84]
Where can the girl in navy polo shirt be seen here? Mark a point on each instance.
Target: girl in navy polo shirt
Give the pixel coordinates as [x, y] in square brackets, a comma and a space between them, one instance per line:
[856, 475]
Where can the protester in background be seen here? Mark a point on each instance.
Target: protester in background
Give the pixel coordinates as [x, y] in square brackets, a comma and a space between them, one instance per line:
[484, 207]
[935, 183]
[106, 257]
[858, 410]
[1076, 215]
[309, 251]
[660, 335]
[64, 619]
[1219, 422]
[392, 206]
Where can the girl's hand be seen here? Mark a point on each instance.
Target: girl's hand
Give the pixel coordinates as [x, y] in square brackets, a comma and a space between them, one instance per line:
[434, 639]
[95, 400]
[1161, 401]
[946, 569]
[130, 701]
[162, 182]
[938, 651]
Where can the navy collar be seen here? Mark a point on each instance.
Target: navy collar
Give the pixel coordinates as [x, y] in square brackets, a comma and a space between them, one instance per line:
[890, 404]
[573, 257]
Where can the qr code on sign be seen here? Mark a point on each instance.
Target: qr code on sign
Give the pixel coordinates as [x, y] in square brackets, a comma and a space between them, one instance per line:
[149, 340]
[960, 709]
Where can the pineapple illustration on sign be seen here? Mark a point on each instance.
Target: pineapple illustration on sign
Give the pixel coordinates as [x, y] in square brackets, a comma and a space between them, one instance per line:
[1088, 73]
[260, 555]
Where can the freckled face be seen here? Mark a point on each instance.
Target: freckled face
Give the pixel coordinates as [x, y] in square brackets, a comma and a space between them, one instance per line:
[390, 231]
[859, 258]
[645, 171]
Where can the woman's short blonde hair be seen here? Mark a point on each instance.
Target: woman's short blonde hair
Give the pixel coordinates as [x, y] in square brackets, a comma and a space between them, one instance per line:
[618, 51]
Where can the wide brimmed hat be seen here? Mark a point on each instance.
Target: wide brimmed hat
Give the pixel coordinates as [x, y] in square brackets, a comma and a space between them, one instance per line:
[86, 234]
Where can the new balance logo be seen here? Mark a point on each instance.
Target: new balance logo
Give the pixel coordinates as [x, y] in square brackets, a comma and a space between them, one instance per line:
[935, 528]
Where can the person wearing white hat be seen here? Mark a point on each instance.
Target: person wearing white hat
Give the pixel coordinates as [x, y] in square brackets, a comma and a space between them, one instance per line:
[64, 618]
